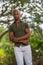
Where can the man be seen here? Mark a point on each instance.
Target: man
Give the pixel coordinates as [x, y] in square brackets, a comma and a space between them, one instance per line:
[19, 33]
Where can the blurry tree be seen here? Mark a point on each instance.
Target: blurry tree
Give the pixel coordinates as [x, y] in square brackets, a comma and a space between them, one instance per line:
[30, 11]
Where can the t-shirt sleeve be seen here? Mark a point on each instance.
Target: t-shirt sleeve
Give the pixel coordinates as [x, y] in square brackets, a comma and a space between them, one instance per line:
[10, 29]
[26, 25]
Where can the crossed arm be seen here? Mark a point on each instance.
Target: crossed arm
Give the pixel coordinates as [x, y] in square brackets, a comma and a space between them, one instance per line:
[21, 38]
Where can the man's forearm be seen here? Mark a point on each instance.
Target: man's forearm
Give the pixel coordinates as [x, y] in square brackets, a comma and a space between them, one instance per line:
[27, 35]
[24, 37]
[16, 39]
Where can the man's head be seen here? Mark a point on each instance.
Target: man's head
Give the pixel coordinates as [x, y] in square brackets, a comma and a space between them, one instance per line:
[16, 14]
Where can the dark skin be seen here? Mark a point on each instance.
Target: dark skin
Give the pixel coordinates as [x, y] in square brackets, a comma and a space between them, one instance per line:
[21, 38]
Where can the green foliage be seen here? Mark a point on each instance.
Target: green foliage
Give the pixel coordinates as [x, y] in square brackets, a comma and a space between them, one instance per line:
[8, 55]
[1, 30]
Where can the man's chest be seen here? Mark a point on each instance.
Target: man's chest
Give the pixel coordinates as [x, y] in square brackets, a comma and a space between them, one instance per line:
[20, 27]
[19, 30]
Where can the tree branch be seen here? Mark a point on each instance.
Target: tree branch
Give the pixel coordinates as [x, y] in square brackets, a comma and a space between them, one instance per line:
[3, 34]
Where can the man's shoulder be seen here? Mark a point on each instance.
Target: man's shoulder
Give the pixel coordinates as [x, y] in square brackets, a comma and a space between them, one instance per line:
[11, 25]
[25, 23]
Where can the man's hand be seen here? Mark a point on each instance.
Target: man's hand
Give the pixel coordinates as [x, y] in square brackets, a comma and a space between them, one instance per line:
[15, 39]
[24, 41]
[12, 37]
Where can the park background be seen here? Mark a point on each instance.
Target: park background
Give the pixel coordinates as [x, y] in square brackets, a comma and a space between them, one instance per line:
[31, 11]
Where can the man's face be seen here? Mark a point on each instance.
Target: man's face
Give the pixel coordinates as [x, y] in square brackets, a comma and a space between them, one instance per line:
[16, 14]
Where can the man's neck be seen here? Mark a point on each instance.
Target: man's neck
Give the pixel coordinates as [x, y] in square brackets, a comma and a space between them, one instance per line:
[18, 22]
